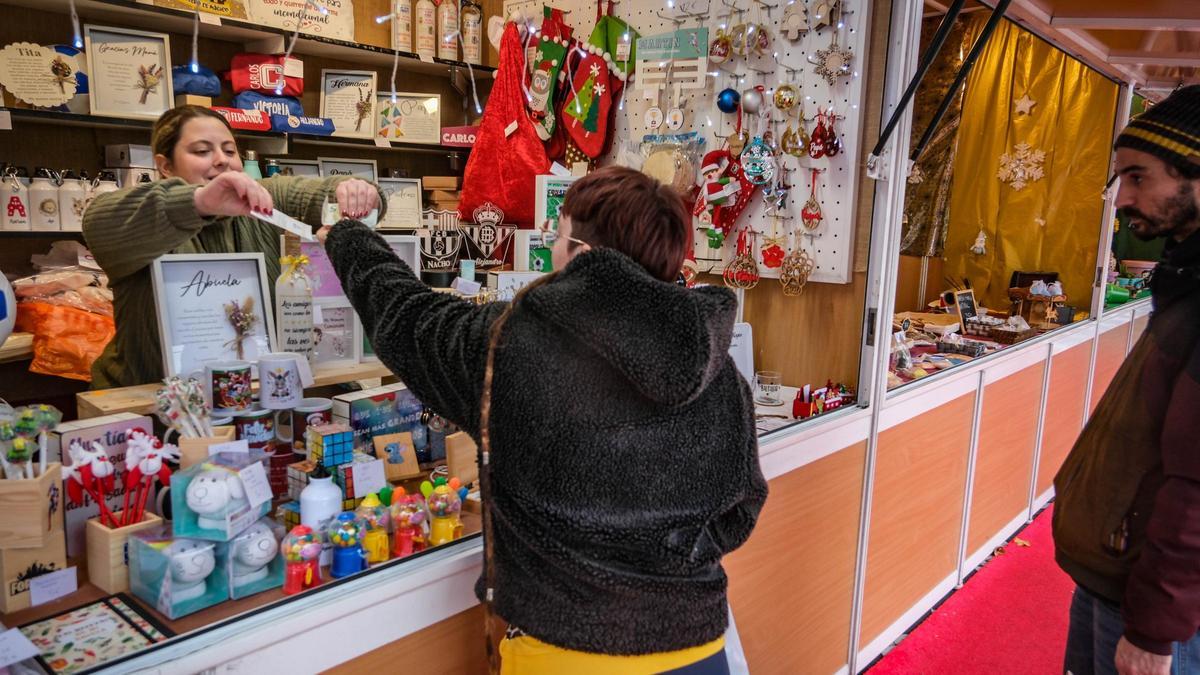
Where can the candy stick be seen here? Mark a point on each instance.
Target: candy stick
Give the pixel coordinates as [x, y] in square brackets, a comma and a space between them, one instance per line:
[199, 405]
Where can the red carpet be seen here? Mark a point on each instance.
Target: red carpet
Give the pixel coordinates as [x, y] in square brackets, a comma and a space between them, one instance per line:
[1010, 617]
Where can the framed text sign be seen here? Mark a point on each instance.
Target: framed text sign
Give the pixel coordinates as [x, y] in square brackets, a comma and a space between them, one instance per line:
[212, 307]
[410, 118]
[964, 305]
[403, 196]
[348, 98]
[129, 72]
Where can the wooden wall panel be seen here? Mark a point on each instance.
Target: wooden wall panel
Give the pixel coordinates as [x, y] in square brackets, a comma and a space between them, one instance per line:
[916, 516]
[1110, 354]
[1004, 458]
[908, 284]
[450, 647]
[1064, 410]
[1139, 327]
[801, 555]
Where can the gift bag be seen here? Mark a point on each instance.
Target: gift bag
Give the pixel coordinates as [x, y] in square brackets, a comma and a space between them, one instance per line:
[508, 155]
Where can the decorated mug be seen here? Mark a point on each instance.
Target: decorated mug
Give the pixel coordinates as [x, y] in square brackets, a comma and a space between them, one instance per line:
[256, 427]
[227, 385]
[310, 413]
[282, 379]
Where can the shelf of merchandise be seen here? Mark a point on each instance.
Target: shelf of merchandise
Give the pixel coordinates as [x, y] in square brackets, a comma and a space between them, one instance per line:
[143, 15]
[140, 399]
[18, 346]
[40, 234]
[21, 116]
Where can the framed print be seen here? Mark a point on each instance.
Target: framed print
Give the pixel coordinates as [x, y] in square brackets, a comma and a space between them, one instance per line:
[299, 167]
[549, 192]
[337, 334]
[212, 307]
[129, 72]
[348, 98]
[334, 166]
[411, 118]
[325, 282]
[403, 196]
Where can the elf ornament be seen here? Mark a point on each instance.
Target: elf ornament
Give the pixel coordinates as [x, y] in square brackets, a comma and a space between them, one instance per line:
[548, 63]
[719, 188]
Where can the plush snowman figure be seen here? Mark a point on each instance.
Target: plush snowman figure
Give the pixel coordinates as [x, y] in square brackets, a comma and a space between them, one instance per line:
[214, 494]
[253, 551]
[191, 563]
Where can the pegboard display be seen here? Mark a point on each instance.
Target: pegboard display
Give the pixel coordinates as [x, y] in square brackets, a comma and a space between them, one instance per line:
[784, 61]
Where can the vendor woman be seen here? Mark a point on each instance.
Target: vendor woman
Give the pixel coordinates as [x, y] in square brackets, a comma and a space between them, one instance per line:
[202, 205]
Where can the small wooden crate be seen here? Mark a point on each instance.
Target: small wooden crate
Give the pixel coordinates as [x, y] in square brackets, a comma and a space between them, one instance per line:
[107, 552]
[31, 510]
[195, 450]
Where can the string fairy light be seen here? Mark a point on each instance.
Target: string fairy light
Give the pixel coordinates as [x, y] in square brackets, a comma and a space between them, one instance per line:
[77, 41]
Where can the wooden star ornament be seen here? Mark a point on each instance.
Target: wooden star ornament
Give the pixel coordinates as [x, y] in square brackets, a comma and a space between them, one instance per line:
[1024, 105]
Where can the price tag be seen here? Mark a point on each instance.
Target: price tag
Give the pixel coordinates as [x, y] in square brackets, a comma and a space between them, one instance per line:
[426, 58]
[382, 142]
[293, 67]
[15, 647]
[368, 477]
[557, 169]
[623, 49]
[254, 479]
[508, 130]
[241, 447]
[210, 19]
[287, 223]
[50, 587]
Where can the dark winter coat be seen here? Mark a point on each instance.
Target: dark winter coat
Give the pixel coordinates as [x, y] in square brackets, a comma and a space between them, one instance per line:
[624, 453]
[1127, 516]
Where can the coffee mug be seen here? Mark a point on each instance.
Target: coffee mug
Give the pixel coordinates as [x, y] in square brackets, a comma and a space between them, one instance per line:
[310, 412]
[282, 378]
[256, 427]
[227, 385]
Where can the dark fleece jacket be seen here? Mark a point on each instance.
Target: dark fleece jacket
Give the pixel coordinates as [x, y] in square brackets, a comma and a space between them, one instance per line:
[624, 453]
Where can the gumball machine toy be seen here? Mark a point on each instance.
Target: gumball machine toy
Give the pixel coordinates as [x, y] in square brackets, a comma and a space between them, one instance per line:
[346, 535]
[445, 505]
[409, 518]
[301, 550]
[377, 517]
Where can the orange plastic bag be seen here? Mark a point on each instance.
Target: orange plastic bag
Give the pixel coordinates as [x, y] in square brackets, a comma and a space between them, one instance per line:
[66, 340]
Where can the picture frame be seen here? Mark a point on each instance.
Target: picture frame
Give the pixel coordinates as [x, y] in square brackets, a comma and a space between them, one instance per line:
[549, 191]
[399, 455]
[308, 168]
[408, 248]
[348, 98]
[404, 203]
[192, 293]
[324, 281]
[366, 169]
[411, 118]
[340, 340]
[129, 72]
[964, 305]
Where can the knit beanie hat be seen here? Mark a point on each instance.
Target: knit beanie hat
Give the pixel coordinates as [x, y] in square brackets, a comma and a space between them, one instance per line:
[1169, 130]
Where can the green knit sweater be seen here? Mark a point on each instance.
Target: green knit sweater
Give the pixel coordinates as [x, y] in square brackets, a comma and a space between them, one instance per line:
[127, 229]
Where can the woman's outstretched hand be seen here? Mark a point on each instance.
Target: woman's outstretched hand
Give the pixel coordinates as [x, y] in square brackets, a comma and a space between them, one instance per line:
[356, 198]
[232, 193]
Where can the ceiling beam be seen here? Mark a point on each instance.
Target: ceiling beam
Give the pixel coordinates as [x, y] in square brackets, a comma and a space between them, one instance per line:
[1033, 16]
[1135, 57]
[1190, 23]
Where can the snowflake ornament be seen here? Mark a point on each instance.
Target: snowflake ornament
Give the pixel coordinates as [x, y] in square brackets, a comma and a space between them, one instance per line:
[1022, 167]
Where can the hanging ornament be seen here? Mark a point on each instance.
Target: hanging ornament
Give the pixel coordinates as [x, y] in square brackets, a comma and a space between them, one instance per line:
[816, 145]
[786, 96]
[721, 47]
[737, 141]
[654, 117]
[758, 162]
[759, 39]
[822, 13]
[675, 119]
[811, 214]
[1022, 167]
[980, 245]
[772, 251]
[790, 141]
[833, 143]
[742, 271]
[1024, 105]
[833, 62]
[728, 100]
[802, 138]
[752, 100]
[795, 21]
[794, 272]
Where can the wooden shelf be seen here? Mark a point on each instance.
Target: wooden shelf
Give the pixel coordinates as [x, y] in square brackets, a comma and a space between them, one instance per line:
[18, 346]
[39, 234]
[140, 399]
[29, 116]
[149, 17]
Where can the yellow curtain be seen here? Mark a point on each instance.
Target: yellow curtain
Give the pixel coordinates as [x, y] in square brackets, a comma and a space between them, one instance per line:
[1052, 224]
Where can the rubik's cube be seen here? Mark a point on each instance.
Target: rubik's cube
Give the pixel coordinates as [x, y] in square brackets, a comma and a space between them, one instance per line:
[351, 504]
[289, 514]
[330, 445]
[343, 475]
[297, 477]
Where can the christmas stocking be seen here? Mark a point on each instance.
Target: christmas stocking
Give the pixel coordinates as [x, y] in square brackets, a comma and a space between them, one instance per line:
[547, 67]
[599, 77]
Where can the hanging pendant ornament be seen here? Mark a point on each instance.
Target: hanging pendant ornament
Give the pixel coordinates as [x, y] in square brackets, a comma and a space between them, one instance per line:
[758, 162]
[794, 272]
[721, 47]
[789, 143]
[833, 143]
[822, 14]
[772, 251]
[811, 214]
[759, 39]
[795, 21]
[675, 119]
[728, 101]
[737, 37]
[833, 62]
[742, 271]
[816, 144]
[802, 138]
[654, 117]
[752, 100]
[786, 97]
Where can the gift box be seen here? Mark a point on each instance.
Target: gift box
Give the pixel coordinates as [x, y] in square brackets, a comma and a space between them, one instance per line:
[252, 559]
[18, 566]
[31, 509]
[108, 551]
[177, 576]
[390, 409]
[343, 475]
[210, 500]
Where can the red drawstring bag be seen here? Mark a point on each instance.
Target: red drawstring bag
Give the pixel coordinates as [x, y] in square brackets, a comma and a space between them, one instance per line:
[508, 155]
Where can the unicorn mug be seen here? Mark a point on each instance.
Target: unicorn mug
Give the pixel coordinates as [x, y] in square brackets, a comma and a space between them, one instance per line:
[282, 379]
